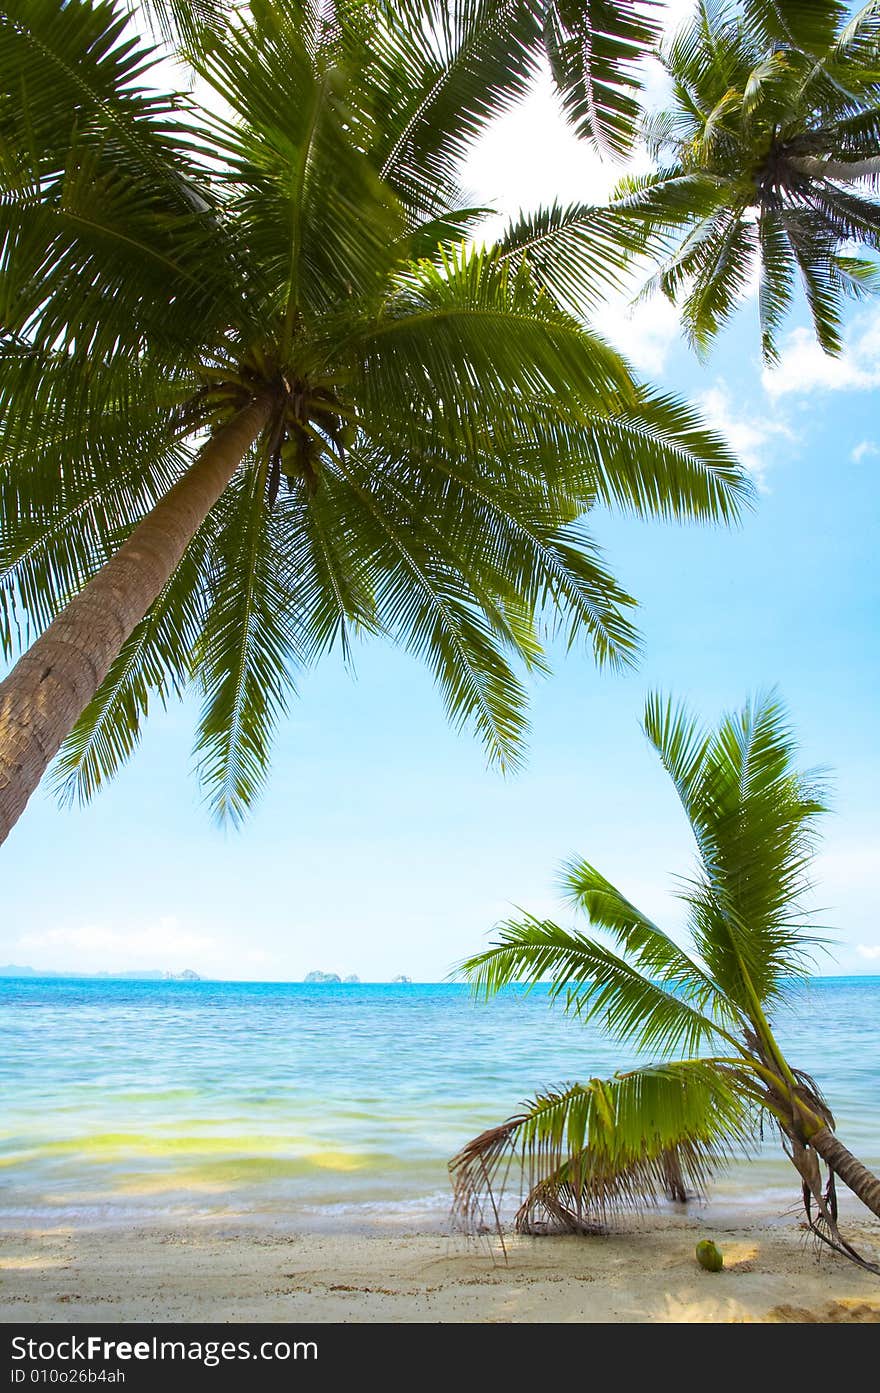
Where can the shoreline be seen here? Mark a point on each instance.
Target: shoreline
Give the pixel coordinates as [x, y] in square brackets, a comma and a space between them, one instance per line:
[769, 1205]
[235, 1270]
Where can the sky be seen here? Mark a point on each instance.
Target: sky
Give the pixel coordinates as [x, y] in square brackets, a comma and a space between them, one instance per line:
[383, 844]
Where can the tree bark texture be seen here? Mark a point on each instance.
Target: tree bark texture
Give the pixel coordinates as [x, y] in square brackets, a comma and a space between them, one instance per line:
[860, 1180]
[53, 682]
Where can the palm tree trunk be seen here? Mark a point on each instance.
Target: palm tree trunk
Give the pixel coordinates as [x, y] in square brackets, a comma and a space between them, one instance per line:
[859, 1179]
[673, 1178]
[50, 686]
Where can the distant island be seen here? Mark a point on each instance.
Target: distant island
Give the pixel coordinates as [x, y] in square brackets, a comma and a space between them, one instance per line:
[187, 975]
[329, 978]
[153, 975]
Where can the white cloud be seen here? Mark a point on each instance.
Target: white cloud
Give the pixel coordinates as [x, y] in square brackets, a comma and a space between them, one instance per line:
[863, 449]
[848, 867]
[86, 947]
[676, 13]
[803, 367]
[846, 874]
[529, 157]
[644, 333]
[750, 436]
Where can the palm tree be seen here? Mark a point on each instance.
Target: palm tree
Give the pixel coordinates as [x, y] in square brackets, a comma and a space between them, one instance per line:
[769, 160]
[719, 1073]
[260, 394]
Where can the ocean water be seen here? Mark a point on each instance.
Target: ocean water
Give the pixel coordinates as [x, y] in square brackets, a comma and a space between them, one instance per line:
[325, 1104]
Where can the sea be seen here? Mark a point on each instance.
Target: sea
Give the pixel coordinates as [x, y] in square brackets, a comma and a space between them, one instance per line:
[331, 1105]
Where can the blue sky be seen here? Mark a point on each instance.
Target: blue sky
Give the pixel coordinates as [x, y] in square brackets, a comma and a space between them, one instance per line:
[383, 844]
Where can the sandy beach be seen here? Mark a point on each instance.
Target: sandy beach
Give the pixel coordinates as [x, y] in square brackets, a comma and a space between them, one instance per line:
[216, 1271]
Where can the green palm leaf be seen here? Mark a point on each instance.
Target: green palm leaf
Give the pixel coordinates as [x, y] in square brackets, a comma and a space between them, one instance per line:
[587, 1151]
[247, 653]
[117, 432]
[652, 950]
[593, 982]
[577, 253]
[107, 216]
[184, 22]
[658, 458]
[428, 606]
[753, 820]
[594, 48]
[437, 80]
[777, 280]
[806, 24]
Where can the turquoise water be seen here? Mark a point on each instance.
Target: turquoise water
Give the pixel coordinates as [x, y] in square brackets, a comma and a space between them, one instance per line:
[326, 1103]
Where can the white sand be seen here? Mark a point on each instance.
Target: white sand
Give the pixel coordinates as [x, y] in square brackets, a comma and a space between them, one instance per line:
[205, 1270]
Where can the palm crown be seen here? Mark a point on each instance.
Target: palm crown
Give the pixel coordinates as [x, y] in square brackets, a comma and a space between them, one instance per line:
[590, 1148]
[768, 161]
[424, 422]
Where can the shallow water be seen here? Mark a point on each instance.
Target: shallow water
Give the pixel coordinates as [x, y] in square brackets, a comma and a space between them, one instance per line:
[321, 1103]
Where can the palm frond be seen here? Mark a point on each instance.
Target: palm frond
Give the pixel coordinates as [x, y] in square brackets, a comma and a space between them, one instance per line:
[595, 48]
[440, 345]
[652, 950]
[659, 459]
[858, 40]
[108, 225]
[116, 429]
[437, 74]
[577, 253]
[720, 269]
[814, 255]
[775, 68]
[321, 554]
[430, 607]
[586, 1152]
[185, 23]
[753, 817]
[246, 656]
[856, 276]
[593, 982]
[776, 290]
[317, 218]
[811, 25]
[671, 198]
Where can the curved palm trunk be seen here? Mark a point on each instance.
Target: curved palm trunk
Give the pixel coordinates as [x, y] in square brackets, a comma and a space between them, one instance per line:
[50, 686]
[853, 1174]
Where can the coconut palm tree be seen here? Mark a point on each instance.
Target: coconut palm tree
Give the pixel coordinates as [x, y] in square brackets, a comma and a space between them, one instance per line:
[718, 1070]
[769, 161]
[260, 393]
